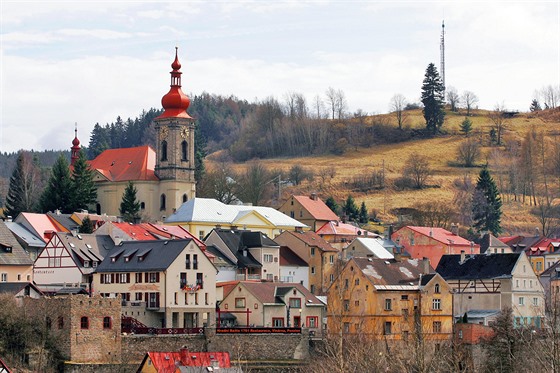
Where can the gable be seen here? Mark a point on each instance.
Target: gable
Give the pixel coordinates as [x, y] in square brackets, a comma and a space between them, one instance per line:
[251, 218]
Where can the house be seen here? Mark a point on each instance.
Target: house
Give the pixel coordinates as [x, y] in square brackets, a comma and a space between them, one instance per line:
[70, 259]
[310, 210]
[432, 242]
[321, 257]
[391, 300]
[180, 361]
[200, 215]
[41, 225]
[480, 317]
[293, 268]
[20, 289]
[121, 231]
[96, 219]
[64, 220]
[4, 367]
[164, 177]
[272, 304]
[31, 243]
[491, 244]
[167, 284]
[494, 282]
[550, 281]
[227, 267]
[15, 263]
[339, 234]
[363, 247]
[540, 250]
[256, 256]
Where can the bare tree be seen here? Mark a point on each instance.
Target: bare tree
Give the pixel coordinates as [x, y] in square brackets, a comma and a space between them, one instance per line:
[219, 184]
[453, 98]
[468, 152]
[318, 106]
[499, 122]
[417, 168]
[469, 99]
[254, 183]
[551, 96]
[336, 101]
[398, 103]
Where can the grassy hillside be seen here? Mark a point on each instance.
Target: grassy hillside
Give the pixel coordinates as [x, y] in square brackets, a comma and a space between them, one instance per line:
[441, 152]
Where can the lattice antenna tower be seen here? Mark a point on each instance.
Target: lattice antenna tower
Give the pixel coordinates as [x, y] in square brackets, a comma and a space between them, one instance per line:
[442, 55]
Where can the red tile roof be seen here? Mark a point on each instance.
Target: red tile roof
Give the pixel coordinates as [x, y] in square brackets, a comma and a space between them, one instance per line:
[265, 292]
[126, 164]
[339, 228]
[441, 235]
[312, 239]
[316, 208]
[168, 362]
[136, 231]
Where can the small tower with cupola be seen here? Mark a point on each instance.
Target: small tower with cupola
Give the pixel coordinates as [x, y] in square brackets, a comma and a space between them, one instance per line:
[75, 149]
[175, 163]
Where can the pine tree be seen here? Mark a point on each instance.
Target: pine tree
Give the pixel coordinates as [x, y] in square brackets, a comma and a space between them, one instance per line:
[466, 126]
[24, 184]
[535, 105]
[487, 204]
[364, 216]
[350, 209]
[87, 225]
[84, 191]
[331, 203]
[98, 141]
[130, 207]
[433, 99]
[58, 192]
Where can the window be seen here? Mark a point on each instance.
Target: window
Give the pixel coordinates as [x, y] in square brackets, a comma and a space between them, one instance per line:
[387, 328]
[312, 251]
[295, 302]
[436, 304]
[539, 266]
[201, 235]
[138, 297]
[312, 270]
[206, 298]
[436, 289]
[164, 150]
[142, 205]
[312, 289]
[404, 297]
[331, 259]
[183, 280]
[54, 262]
[162, 202]
[185, 198]
[153, 277]
[239, 302]
[84, 322]
[331, 277]
[357, 281]
[199, 280]
[184, 150]
[436, 326]
[535, 301]
[4, 277]
[278, 322]
[188, 261]
[460, 334]
[521, 301]
[86, 263]
[312, 321]
[356, 303]
[60, 322]
[107, 322]
[346, 327]
[138, 278]
[195, 261]
[268, 258]
[387, 304]
[124, 278]
[346, 305]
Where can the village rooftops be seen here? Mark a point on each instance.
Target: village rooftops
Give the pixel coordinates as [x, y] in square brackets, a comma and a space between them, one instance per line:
[480, 266]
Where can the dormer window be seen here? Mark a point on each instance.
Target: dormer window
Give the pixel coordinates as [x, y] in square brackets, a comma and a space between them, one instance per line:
[86, 263]
[6, 248]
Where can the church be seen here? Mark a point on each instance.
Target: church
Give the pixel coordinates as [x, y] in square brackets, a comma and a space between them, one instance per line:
[164, 177]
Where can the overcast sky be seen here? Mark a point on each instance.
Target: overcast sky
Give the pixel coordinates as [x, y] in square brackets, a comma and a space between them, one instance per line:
[90, 61]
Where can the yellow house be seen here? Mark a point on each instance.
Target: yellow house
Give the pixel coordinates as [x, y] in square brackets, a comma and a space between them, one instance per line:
[310, 210]
[15, 264]
[200, 215]
[390, 299]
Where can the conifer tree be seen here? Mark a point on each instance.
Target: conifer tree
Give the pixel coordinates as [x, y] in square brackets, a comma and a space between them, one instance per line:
[58, 192]
[130, 207]
[84, 191]
[433, 99]
[331, 203]
[466, 126]
[364, 216]
[351, 209]
[24, 184]
[487, 204]
[87, 225]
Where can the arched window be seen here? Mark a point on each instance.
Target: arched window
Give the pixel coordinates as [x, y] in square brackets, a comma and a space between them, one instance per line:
[162, 202]
[164, 150]
[436, 288]
[98, 208]
[84, 322]
[142, 206]
[184, 150]
[185, 198]
[107, 322]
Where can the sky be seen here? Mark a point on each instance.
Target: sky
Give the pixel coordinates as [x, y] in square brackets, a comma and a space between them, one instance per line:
[87, 62]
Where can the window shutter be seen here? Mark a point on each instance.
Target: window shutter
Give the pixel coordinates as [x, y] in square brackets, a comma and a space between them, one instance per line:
[102, 279]
[157, 276]
[128, 278]
[157, 299]
[146, 297]
[112, 278]
[146, 277]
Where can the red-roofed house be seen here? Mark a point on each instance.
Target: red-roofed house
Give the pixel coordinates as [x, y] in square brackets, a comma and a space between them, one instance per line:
[171, 362]
[310, 210]
[40, 224]
[272, 304]
[292, 267]
[164, 177]
[340, 234]
[432, 243]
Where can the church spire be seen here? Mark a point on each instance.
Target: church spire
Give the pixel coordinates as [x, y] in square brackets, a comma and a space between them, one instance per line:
[175, 103]
[75, 150]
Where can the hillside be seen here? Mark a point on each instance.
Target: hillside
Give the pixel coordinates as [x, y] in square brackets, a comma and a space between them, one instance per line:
[441, 153]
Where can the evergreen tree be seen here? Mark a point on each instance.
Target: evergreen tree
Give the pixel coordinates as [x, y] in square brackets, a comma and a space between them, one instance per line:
[130, 207]
[466, 126]
[84, 191]
[351, 209]
[24, 184]
[364, 216]
[433, 99]
[331, 203]
[98, 141]
[87, 225]
[58, 192]
[487, 204]
[535, 105]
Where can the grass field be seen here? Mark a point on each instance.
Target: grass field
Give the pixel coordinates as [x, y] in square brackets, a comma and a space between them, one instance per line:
[441, 153]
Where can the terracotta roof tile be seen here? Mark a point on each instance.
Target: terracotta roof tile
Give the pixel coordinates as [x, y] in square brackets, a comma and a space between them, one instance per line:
[317, 208]
[312, 239]
[126, 164]
[441, 235]
[339, 228]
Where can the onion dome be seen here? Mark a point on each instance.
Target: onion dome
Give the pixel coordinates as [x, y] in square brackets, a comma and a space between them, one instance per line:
[175, 103]
[75, 150]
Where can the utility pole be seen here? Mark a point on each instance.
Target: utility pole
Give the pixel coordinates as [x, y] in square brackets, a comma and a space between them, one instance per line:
[442, 55]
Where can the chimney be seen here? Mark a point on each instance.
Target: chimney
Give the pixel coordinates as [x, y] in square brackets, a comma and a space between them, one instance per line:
[117, 240]
[48, 234]
[425, 266]
[537, 233]
[455, 229]
[431, 231]
[472, 248]
[462, 256]
[313, 196]
[57, 212]
[389, 231]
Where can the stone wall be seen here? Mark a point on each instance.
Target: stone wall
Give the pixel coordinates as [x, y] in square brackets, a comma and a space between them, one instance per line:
[134, 347]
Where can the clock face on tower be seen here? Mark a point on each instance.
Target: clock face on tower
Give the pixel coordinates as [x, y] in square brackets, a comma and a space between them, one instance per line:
[163, 133]
[185, 133]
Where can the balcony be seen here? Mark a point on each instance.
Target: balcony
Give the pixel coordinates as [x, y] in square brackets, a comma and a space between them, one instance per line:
[241, 277]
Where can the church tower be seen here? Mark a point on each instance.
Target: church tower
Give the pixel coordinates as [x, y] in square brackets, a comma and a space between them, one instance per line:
[175, 163]
[75, 150]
